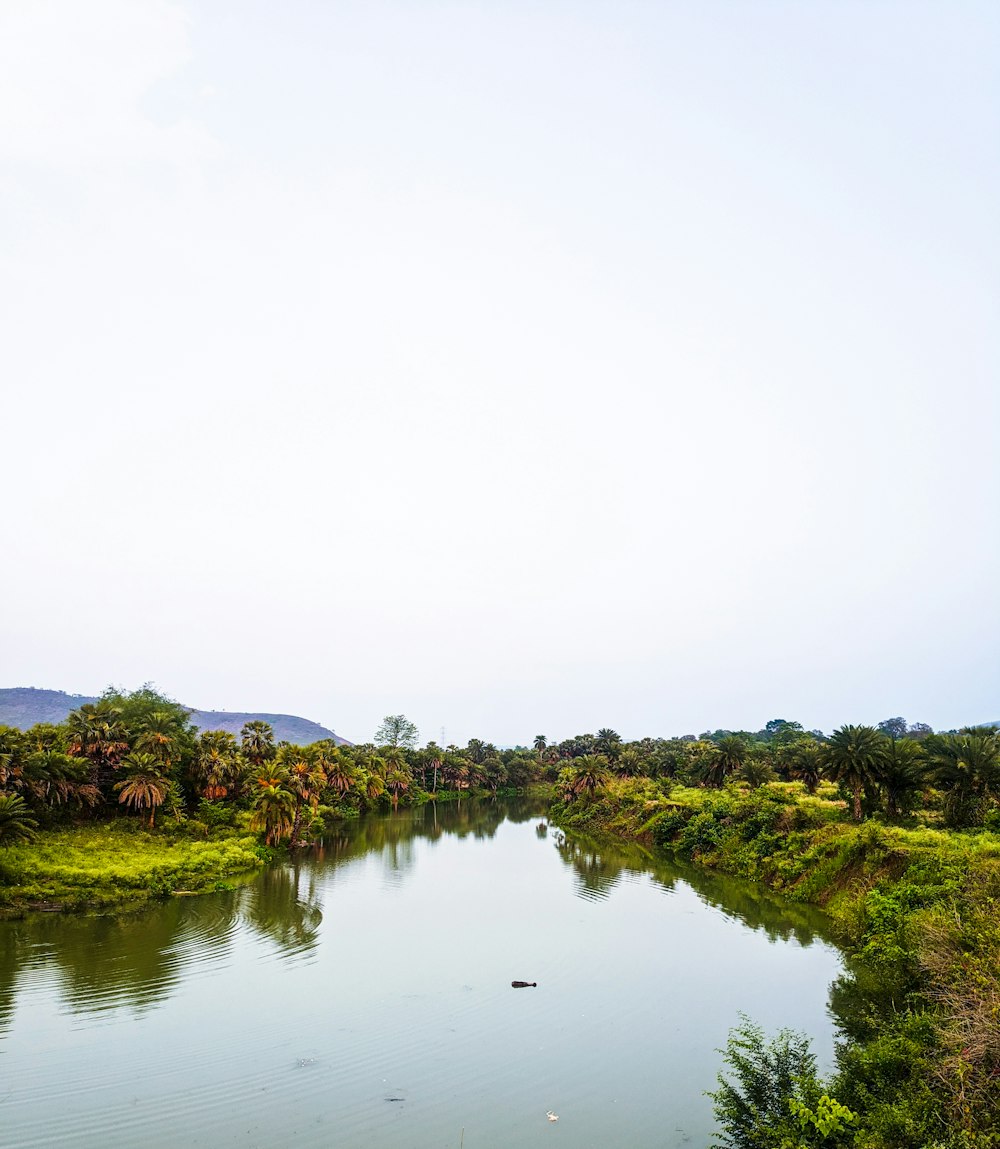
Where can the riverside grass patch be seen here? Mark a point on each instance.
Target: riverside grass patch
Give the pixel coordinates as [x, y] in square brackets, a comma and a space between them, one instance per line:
[113, 864]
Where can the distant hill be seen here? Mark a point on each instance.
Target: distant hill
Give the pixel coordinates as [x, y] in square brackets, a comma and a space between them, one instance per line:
[23, 706]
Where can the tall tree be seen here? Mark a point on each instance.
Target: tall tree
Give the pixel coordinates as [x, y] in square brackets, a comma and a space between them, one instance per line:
[98, 733]
[217, 764]
[966, 767]
[608, 742]
[853, 756]
[273, 811]
[145, 785]
[396, 730]
[586, 773]
[900, 774]
[257, 739]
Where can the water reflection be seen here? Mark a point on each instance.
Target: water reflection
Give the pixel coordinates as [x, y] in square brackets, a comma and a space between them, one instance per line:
[600, 865]
[134, 961]
[404, 992]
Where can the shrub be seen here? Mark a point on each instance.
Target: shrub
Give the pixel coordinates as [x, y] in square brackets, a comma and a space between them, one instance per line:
[775, 1098]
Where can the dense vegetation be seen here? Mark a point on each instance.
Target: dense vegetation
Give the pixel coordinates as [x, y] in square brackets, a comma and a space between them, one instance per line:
[899, 838]
[131, 762]
[894, 829]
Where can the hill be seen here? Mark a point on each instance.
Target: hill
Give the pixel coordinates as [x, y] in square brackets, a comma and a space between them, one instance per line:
[23, 706]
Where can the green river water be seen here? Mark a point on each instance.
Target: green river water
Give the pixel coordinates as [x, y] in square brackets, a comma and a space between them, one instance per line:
[359, 996]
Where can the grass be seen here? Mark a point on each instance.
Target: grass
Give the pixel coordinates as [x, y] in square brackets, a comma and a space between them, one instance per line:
[114, 864]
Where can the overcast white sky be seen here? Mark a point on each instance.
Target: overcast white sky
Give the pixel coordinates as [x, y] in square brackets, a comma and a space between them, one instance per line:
[522, 367]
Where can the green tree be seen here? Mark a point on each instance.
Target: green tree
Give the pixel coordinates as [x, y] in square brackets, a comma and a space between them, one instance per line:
[302, 776]
[769, 1096]
[97, 733]
[900, 774]
[893, 727]
[802, 762]
[729, 754]
[966, 767]
[146, 784]
[397, 730]
[339, 770]
[217, 764]
[435, 758]
[853, 757]
[52, 778]
[273, 811]
[608, 742]
[257, 739]
[586, 773]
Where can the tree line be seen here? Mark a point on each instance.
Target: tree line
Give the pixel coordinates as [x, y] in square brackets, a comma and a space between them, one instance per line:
[138, 751]
[890, 769]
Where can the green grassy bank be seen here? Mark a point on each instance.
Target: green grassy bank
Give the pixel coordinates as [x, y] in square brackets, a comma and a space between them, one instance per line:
[115, 864]
[917, 911]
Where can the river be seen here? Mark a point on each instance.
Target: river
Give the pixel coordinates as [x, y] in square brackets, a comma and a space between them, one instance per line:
[359, 997]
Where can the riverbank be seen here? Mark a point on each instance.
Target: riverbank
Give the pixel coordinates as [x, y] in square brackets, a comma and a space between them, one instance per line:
[917, 907]
[116, 865]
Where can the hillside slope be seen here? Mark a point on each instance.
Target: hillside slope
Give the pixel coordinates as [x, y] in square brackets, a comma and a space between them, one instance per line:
[23, 706]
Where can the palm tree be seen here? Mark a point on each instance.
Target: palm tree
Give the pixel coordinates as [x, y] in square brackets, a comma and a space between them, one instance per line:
[372, 785]
[608, 742]
[54, 778]
[853, 757]
[436, 756]
[628, 763]
[340, 772]
[967, 767]
[397, 782]
[756, 770]
[726, 757]
[98, 734]
[587, 773]
[900, 774]
[455, 771]
[158, 736]
[303, 777]
[258, 742]
[273, 811]
[540, 743]
[15, 823]
[217, 764]
[146, 785]
[802, 762]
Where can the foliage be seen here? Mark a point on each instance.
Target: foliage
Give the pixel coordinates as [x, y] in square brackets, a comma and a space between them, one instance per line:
[15, 823]
[397, 730]
[772, 1096]
[116, 863]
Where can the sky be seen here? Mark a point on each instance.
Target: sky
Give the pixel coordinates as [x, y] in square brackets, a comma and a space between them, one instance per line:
[519, 367]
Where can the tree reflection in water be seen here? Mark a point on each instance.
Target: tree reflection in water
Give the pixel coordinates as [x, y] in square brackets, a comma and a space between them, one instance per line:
[599, 865]
[134, 961]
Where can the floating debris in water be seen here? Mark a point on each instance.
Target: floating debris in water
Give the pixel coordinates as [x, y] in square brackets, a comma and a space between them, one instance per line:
[551, 1116]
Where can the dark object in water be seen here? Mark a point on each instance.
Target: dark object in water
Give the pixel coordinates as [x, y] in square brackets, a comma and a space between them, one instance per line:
[523, 984]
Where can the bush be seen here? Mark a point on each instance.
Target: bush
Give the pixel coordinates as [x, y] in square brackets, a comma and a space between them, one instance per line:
[666, 826]
[702, 834]
[775, 1098]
